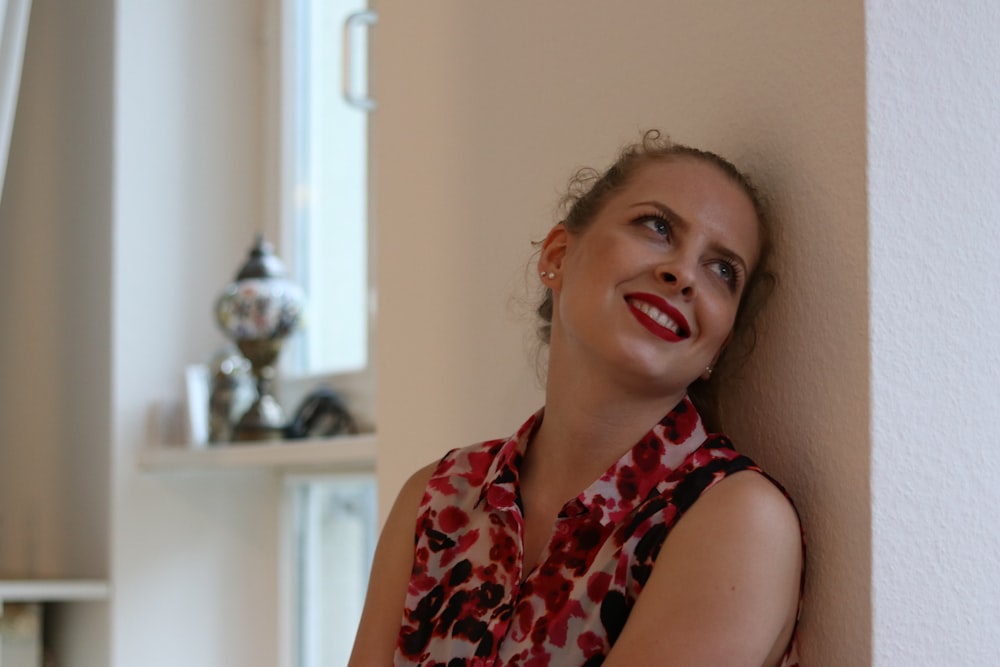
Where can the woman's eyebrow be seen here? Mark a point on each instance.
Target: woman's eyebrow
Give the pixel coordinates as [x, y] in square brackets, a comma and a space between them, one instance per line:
[729, 254]
[682, 222]
[667, 212]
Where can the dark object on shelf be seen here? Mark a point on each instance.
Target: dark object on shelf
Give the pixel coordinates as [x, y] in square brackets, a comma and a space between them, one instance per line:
[322, 413]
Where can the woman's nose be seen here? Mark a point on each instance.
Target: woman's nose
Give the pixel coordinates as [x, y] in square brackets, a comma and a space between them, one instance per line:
[679, 278]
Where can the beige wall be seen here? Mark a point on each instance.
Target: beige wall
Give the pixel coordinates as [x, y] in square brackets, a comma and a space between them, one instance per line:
[486, 108]
[55, 304]
[55, 309]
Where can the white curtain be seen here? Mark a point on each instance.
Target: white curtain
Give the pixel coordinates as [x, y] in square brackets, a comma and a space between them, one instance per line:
[13, 29]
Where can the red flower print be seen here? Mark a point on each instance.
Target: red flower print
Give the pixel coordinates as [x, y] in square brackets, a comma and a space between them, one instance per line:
[627, 483]
[500, 497]
[480, 464]
[470, 601]
[647, 455]
[591, 644]
[680, 423]
[452, 518]
[597, 586]
[504, 550]
[559, 623]
[554, 589]
[442, 485]
[466, 540]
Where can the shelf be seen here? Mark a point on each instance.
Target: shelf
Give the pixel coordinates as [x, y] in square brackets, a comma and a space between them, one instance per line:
[53, 590]
[348, 453]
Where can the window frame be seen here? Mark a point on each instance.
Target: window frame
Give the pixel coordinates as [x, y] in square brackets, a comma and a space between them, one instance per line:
[356, 387]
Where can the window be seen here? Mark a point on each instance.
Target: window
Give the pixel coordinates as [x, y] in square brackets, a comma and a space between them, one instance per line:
[324, 184]
[333, 542]
[331, 523]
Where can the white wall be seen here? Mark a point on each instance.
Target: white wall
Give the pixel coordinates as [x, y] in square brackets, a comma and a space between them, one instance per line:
[194, 556]
[484, 111]
[934, 166]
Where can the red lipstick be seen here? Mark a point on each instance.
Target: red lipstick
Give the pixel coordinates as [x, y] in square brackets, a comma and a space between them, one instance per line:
[641, 302]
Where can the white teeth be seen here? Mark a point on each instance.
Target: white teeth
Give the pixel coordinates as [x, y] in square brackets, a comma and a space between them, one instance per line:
[657, 316]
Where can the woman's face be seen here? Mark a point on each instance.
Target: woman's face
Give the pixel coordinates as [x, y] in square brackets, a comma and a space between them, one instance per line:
[648, 292]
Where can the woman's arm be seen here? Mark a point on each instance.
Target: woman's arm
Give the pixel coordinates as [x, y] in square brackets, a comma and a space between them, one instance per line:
[375, 642]
[724, 590]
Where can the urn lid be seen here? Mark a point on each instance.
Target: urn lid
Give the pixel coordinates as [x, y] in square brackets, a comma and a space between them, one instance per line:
[261, 262]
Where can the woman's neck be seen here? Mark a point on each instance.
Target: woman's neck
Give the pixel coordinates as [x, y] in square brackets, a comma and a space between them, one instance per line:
[588, 424]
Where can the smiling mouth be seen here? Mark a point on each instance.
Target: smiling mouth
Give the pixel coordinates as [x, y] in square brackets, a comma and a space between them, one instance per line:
[658, 321]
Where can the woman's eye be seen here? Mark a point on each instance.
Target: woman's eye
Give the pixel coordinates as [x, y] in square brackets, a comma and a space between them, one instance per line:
[727, 271]
[657, 224]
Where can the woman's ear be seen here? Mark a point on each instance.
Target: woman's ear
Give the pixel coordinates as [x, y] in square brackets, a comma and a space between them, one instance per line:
[550, 259]
[715, 360]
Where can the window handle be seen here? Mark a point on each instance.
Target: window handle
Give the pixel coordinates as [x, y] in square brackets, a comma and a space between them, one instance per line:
[351, 24]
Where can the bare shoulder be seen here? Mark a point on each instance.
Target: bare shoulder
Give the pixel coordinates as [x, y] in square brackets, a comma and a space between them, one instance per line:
[752, 506]
[402, 520]
[412, 492]
[375, 642]
[725, 587]
[748, 530]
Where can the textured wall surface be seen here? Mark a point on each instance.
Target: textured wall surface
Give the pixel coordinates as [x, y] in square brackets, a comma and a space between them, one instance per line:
[934, 166]
[485, 110]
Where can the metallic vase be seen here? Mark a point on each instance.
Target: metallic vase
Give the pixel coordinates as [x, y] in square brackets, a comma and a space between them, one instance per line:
[258, 311]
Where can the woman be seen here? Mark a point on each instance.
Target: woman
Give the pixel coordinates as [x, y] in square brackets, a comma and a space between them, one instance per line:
[611, 528]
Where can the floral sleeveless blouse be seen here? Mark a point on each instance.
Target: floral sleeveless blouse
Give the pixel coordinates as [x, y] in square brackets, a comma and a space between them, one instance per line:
[468, 601]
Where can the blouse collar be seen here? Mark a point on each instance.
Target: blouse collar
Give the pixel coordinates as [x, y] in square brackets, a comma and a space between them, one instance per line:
[622, 486]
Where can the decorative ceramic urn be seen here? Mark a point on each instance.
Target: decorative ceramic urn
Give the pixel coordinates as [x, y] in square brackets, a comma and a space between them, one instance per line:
[258, 311]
